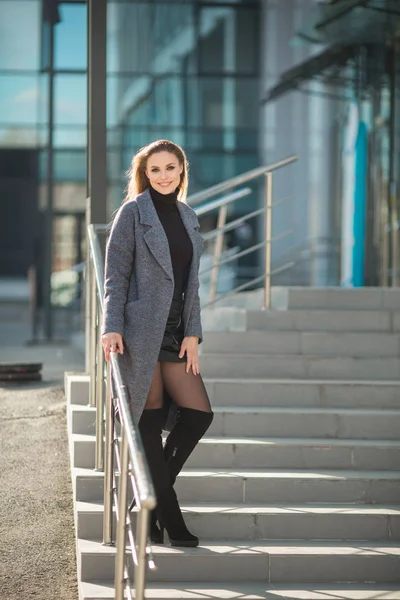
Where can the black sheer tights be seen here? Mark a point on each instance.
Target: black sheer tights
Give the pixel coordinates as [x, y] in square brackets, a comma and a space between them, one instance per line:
[186, 389]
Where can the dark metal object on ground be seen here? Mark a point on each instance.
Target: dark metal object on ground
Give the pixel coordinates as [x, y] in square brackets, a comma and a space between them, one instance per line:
[20, 371]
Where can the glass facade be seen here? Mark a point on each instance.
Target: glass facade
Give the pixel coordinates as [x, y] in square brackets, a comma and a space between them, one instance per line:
[186, 71]
[189, 72]
[192, 71]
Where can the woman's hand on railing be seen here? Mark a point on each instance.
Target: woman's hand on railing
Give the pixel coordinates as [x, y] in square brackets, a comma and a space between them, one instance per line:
[112, 342]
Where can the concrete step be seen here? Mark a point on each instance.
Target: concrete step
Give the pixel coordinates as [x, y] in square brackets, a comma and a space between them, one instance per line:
[305, 343]
[287, 392]
[267, 485]
[221, 318]
[256, 522]
[82, 418]
[179, 590]
[273, 453]
[300, 392]
[305, 422]
[334, 298]
[273, 562]
[299, 367]
[322, 320]
[77, 388]
[286, 422]
[295, 453]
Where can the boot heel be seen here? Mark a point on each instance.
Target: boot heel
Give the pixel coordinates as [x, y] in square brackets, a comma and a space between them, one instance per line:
[191, 540]
[156, 533]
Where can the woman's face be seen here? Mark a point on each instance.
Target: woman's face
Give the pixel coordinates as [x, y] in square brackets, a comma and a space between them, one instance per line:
[164, 171]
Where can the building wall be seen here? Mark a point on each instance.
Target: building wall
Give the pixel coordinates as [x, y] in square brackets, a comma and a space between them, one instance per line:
[304, 125]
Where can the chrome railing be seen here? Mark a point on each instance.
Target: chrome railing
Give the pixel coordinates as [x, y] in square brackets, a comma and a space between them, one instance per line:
[223, 227]
[121, 457]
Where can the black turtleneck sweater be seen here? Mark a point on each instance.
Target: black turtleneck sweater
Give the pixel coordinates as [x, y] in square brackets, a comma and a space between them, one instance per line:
[179, 242]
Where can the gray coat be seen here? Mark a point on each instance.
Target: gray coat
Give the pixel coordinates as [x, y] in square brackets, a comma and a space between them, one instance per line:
[139, 285]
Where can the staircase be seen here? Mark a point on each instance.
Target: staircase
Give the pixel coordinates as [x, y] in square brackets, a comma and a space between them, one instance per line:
[295, 491]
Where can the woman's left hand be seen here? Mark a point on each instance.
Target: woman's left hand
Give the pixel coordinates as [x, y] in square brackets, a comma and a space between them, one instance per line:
[190, 345]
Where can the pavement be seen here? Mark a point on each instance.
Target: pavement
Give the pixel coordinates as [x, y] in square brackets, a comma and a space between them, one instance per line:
[37, 540]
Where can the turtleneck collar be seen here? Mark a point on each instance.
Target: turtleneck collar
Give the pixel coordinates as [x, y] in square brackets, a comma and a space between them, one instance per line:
[163, 202]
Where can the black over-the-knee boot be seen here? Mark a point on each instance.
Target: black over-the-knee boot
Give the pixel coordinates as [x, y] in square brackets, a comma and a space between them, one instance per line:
[168, 511]
[190, 427]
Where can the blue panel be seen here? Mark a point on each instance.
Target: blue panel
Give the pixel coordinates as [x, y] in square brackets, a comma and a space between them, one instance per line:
[360, 193]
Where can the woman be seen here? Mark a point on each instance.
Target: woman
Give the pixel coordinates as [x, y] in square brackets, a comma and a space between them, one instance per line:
[152, 318]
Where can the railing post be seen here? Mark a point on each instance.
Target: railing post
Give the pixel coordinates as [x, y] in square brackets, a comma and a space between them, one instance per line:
[99, 461]
[268, 226]
[140, 568]
[218, 246]
[108, 465]
[121, 522]
[89, 276]
[93, 328]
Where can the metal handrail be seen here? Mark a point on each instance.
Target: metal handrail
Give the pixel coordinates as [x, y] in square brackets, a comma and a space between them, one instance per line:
[199, 197]
[129, 451]
[210, 206]
[223, 227]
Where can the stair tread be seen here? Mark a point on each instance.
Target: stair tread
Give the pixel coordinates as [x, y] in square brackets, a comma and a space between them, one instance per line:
[298, 356]
[304, 382]
[269, 332]
[279, 441]
[266, 509]
[273, 473]
[276, 547]
[308, 410]
[226, 590]
[286, 473]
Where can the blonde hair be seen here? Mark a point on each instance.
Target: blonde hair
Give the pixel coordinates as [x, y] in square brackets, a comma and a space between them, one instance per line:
[137, 178]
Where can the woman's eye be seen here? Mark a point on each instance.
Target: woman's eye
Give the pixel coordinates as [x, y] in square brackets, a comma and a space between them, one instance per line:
[154, 170]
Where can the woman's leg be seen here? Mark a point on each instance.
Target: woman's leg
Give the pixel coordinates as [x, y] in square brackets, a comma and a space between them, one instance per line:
[168, 511]
[194, 414]
[187, 390]
[155, 395]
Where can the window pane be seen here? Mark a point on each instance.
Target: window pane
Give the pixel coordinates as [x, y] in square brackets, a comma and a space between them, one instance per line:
[20, 34]
[130, 27]
[229, 40]
[69, 196]
[70, 165]
[70, 100]
[19, 96]
[247, 41]
[70, 137]
[212, 43]
[70, 37]
[17, 136]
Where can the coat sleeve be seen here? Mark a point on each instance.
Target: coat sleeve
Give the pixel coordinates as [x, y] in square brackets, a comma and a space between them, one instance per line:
[194, 323]
[120, 254]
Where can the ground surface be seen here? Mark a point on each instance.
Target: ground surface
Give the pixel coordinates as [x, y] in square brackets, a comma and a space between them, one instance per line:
[37, 540]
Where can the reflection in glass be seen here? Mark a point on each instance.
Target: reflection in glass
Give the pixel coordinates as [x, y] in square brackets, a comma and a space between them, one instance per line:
[70, 137]
[71, 37]
[19, 96]
[70, 165]
[20, 34]
[70, 100]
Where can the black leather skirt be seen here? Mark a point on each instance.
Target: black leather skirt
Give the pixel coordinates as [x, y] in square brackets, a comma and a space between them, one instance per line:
[174, 332]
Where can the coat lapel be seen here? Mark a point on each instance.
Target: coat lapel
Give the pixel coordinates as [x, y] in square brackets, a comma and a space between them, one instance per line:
[191, 224]
[154, 237]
